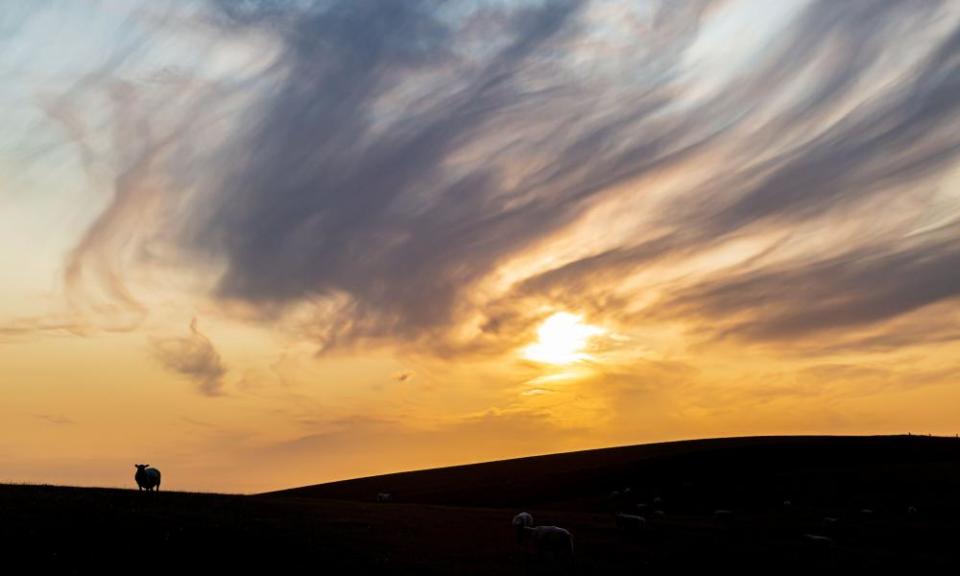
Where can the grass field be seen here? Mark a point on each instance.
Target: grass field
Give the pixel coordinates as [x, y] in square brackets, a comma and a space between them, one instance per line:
[895, 501]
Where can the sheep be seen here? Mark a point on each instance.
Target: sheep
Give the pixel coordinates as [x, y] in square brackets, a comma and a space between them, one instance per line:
[630, 522]
[522, 519]
[819, 541]
[546, 542]
[831, 526]
[147, 478]
[384, 496]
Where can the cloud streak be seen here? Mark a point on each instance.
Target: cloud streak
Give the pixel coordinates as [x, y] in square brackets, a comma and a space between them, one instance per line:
[194, 357]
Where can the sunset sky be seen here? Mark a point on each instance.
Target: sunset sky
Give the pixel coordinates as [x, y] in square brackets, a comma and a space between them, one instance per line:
[260, 244]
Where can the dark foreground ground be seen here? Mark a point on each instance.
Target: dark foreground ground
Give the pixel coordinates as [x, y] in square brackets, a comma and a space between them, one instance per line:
[854, 503]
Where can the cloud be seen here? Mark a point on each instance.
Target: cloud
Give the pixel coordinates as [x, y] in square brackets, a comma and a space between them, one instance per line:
[857, 288]
[58, 419]
[390, 212]
[392, 164]
[41, 325]
[194, 357]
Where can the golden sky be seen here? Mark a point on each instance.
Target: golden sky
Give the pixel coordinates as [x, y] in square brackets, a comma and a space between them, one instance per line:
[260, 245]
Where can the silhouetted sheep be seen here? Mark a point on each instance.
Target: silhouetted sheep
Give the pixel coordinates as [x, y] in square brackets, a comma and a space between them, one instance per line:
[384, 496]
[147, 478]
[819, 541]
[546, 542]
[628, 523]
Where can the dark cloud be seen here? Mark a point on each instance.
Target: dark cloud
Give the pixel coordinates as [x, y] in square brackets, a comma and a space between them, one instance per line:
[399, 153]
[857, 288]
[332, 199]
[194, 357]
[887, 148]
[900, 136]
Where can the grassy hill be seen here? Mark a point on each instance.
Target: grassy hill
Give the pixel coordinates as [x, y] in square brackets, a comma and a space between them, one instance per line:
[753, 473]
[893, 500]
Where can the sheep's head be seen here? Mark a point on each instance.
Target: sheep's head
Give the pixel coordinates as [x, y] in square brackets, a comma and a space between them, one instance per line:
[520, 522]
[522, 519]
[141, 467]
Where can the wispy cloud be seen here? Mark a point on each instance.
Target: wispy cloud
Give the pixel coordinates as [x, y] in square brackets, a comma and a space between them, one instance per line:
[195, 357]
[391, 165]
[58, 419]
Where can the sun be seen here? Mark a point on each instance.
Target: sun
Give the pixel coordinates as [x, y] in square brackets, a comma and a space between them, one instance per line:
[562, 339]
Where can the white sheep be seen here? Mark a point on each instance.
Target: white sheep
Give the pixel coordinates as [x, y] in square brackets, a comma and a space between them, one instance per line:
[147, 478]
[546, 542]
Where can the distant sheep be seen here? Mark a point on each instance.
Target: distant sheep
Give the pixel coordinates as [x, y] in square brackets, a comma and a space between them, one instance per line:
[621, 499]
[522, 520]
[831, 526]
[615, 499]
[384, 496]
[546, 542]
[147, 478]
[819, 541]
[630, 522]
[724, 517]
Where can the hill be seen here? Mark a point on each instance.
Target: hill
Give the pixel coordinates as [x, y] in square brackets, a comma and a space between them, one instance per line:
[696, 475]
[854, 503]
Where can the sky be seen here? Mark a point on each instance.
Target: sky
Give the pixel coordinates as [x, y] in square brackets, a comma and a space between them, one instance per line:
[265, 243]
